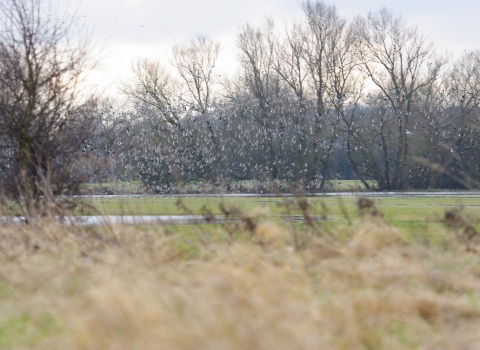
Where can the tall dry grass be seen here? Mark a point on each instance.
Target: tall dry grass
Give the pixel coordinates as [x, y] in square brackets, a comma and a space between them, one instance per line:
[126, 287]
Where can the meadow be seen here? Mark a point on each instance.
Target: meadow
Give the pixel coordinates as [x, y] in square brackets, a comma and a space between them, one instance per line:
[412, 214]
[284, 273]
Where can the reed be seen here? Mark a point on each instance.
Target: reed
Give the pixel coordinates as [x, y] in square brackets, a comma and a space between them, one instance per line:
[248, 283]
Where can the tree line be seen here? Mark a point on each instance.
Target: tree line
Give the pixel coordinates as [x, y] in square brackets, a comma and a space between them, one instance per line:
[318, 98]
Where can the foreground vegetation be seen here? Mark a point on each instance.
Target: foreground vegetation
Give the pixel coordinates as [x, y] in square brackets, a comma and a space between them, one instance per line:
[257, 282]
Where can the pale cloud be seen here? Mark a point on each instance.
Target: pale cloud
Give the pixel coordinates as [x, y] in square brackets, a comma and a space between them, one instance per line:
[453, 25]
[128, 29]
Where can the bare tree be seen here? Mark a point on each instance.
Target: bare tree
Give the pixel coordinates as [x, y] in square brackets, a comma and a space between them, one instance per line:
[175, 110]
[42, 124]
[452, 128]
[332, 68]
[290, 62]
[400, 62]
[256, 53]
[189, 88]
[151, 84]
[195, 64]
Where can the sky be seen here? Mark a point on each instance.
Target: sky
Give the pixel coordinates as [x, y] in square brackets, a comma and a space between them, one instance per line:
[124, 30]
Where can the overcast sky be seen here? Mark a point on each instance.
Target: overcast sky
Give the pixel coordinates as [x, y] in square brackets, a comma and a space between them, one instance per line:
[128, 29]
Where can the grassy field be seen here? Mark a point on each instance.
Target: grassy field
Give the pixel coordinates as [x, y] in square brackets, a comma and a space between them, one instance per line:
[410, 280]
[413, 215]
[130, 287]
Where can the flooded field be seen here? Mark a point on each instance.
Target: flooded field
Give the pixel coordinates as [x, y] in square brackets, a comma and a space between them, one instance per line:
[399, 208]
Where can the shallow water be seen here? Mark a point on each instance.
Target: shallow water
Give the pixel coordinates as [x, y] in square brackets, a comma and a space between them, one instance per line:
[450, 194]
[142, 220]
[126, 219]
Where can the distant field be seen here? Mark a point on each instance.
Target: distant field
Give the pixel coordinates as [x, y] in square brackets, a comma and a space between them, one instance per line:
[414, 215]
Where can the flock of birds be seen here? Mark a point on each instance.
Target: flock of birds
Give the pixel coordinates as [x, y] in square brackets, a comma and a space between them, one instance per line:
[235, 143]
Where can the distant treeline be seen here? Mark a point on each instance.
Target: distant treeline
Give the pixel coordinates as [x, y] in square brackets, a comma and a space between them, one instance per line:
[315, 99]
[320, 98]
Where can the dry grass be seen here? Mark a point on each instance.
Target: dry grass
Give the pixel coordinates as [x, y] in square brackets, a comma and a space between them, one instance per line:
[147, 288]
